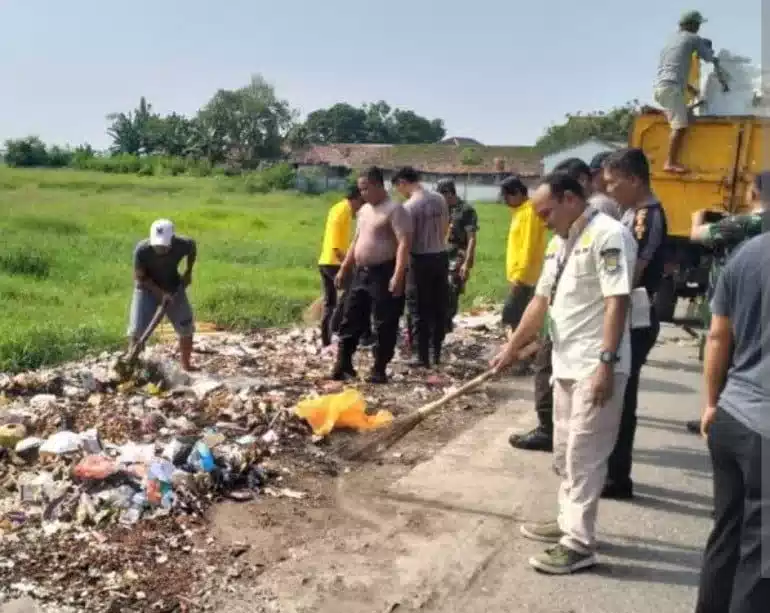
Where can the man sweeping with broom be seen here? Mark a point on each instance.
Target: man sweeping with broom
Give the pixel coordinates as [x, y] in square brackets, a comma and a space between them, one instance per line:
[586, 284]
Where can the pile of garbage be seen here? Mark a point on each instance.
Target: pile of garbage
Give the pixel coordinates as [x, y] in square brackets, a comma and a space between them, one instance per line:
[104, 484]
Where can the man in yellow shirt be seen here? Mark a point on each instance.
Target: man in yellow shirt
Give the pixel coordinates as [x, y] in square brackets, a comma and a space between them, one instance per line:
[525, 251]
[336, 242]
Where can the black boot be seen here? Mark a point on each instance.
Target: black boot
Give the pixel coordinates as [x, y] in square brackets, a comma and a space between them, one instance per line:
[538, 439]
[343, 368]
[378, 373]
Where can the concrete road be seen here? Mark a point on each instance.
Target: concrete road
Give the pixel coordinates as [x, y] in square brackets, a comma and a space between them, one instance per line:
[650, 548]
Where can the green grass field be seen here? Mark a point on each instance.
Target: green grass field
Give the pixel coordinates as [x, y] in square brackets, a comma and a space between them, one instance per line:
[68, 238]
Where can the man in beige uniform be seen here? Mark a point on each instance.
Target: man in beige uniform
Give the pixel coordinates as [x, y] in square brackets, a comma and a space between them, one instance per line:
[379, 254]
[586, 281]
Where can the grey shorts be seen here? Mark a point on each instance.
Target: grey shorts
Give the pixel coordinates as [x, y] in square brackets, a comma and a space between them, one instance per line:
[144, 305]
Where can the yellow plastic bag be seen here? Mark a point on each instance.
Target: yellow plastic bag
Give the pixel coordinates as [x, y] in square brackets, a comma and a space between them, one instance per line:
[344, 410]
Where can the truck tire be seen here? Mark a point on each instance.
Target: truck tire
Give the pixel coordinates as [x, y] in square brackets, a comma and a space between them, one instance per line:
[665, 300]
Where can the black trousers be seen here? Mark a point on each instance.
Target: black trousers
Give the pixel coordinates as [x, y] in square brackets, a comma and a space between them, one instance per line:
[642, 342]
[735, 577]
[515, 304]
[543, 388]
[369, 296]
[332, 315]
[427, 300]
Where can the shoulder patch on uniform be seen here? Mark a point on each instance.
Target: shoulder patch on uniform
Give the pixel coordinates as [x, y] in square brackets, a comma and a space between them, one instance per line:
[610, 260]
[640, 224]
[586, 239]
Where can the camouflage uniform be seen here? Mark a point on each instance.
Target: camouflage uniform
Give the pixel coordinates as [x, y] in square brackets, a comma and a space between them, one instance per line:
[462, 222]
[724, 237]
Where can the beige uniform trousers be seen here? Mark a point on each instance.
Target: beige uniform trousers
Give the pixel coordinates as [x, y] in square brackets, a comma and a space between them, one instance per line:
[584, 437]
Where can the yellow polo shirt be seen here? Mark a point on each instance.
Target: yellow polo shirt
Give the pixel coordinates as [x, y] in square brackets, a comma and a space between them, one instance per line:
[526, 246]
[336, 234]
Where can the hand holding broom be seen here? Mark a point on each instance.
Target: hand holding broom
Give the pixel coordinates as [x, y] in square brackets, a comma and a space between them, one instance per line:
[401, 426]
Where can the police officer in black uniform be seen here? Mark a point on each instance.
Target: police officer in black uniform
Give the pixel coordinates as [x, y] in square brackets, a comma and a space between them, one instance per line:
[628, 181]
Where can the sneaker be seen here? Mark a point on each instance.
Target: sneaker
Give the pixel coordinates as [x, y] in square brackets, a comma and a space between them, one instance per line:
[535, 440]
[561, 560]
[547, 532]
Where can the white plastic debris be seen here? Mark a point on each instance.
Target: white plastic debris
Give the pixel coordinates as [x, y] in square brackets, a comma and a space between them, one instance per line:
[61, 443]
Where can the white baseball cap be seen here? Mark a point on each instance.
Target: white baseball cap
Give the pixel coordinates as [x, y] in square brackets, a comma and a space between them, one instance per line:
[161, 233]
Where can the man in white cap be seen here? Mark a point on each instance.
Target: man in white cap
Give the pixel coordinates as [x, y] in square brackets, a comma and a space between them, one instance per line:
[157, 281]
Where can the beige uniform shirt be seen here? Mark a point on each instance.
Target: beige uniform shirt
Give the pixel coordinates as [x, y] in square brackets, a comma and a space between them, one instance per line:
[601, 265]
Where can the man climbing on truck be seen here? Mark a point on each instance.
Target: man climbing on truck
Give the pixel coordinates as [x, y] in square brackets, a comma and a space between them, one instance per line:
[672, 81]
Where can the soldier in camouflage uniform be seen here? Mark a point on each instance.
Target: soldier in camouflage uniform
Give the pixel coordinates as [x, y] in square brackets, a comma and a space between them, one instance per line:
[725, 235]
[463, 226]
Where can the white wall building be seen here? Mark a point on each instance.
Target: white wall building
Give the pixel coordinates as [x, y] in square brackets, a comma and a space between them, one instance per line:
[585, 151]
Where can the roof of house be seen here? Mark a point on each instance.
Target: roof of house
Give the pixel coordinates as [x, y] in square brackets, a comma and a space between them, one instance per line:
[461, 140]
[434, 158]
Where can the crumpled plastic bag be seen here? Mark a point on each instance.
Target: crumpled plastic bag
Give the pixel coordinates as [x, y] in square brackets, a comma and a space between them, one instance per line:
[346, 409]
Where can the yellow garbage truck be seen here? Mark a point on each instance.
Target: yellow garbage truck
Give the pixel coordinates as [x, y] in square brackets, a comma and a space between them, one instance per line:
[723, 154]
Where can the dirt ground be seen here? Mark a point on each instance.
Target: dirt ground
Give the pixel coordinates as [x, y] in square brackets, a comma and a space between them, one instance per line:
[345, 515]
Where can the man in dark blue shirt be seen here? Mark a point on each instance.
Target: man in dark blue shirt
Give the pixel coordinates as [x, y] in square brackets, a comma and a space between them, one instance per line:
[627, 173]
[736, 422]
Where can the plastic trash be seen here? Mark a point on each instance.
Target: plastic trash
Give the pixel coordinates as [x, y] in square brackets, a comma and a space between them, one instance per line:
[61, 443]
[178, 450]
[131, 453]
[134, 512]
[201, 458]
[90, 441]
[95, 468]
[11, 435]
[344, 410]
[159, 479]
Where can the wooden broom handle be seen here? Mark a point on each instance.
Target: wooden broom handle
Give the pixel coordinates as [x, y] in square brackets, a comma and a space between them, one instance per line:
[526, 352]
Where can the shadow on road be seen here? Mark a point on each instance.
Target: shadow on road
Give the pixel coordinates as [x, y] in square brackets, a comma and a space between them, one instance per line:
[664, 387]
[646, 574]
[662, 492]
[670, 425]
[676, 458]
[676, 365]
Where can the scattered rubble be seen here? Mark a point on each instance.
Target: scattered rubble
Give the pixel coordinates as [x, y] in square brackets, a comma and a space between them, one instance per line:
[104, 484]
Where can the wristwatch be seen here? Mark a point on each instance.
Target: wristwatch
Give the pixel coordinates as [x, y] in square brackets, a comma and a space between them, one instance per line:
[608, 357]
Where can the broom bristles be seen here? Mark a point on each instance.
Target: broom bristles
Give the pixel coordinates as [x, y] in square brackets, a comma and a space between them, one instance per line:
[380, 441]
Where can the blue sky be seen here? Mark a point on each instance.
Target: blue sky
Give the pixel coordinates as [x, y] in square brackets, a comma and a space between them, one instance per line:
[497, 70]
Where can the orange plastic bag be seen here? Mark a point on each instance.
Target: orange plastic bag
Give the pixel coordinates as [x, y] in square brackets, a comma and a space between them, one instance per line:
[344, 410]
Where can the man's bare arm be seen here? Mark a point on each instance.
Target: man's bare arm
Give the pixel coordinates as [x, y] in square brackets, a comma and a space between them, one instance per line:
[470, 256]
[717, 358]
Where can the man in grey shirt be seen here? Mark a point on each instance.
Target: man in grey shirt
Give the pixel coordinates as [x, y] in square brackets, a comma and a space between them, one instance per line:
[736, 422]
[672, 80]
[428, 278]
[157, 281]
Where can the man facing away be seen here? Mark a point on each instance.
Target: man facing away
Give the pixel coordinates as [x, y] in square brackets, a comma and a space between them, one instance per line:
[524, 252]
[157, 281]
[463, 227]
[735, 577]
[428, 276]
[586, 280]
[672, 79]
[336, 242]
[541, 438]
[378, 257]
[627, 173]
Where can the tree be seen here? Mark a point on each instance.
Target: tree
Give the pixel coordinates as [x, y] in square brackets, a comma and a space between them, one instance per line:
[340, 123]
[134, 132]
[245, 125]
[612, 125]
[26, 152]
[407, 127]
[375, 123]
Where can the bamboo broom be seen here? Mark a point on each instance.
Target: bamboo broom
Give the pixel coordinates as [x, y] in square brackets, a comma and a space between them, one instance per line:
[401, 426]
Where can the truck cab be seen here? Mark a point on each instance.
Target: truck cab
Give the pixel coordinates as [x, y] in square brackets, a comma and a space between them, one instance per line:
[723, 154]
